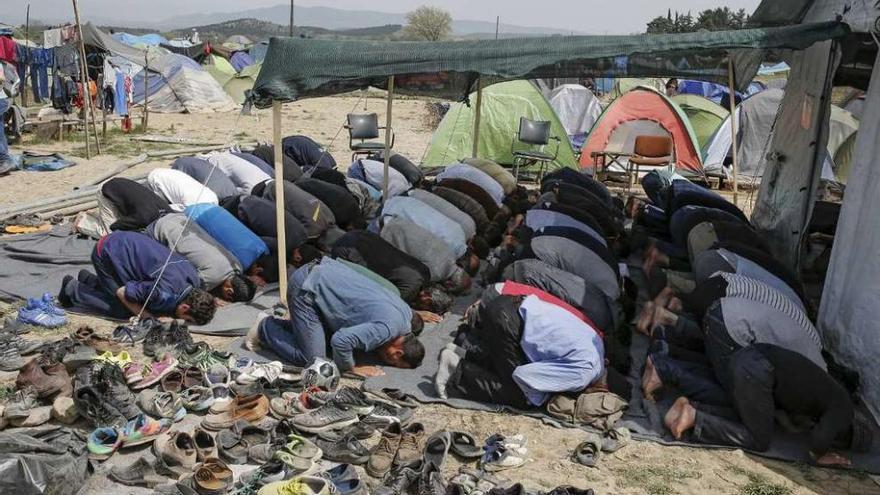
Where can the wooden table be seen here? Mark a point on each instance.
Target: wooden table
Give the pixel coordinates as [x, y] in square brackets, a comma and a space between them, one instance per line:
[603, 159]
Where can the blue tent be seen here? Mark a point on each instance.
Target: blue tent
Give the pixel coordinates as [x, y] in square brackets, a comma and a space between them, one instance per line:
[145, 40]
[716, 92]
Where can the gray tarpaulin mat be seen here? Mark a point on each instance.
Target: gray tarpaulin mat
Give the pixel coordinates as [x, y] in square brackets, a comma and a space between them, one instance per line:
[644, 418]
[31, 264]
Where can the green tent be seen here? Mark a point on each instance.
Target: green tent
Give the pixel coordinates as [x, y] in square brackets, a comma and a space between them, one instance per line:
[219, 68]
[503, 105]
[241, 82]
[705, 115]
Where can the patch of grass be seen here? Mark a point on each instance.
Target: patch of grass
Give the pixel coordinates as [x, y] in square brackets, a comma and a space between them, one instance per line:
[655, 480]
[6, 391]
[758, 484]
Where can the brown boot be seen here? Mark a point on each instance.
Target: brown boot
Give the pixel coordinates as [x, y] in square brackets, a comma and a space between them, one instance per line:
[412, 443]
[47, 381]
[383, 456]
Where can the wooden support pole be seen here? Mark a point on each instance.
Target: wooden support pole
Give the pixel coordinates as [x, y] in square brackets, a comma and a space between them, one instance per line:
[84, 76]
[477, 115]
[388, 131]
[733, 129]
[146, 120]
[279, 201]
[27, 60]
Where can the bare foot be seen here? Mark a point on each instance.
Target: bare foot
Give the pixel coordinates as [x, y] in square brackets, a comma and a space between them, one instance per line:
[663, 316]
[653, 257]
[650, 380]
[664, 296]
[833, 459]
[646, 317]
[675, 305]
[680, 418]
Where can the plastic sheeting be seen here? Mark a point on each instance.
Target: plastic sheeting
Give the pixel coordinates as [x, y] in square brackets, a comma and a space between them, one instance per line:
[42, 460]
[797, 151]
[849, 312]
[181, 86]
[577, 108]
[503, 105]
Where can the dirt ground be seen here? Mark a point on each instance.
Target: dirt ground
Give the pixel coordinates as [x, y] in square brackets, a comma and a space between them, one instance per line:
[640, 468]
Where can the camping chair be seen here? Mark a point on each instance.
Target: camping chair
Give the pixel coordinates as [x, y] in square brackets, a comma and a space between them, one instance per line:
[533, 133]
[650, 152]
[362, 127]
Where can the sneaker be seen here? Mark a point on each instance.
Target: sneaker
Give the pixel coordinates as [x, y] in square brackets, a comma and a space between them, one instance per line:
[382, 458]
[109, 382]
[142, 429]
[95, 409]
[103, 442]
[359, 430]
[21, 404]
[412, 443]
[197, 398]
[270, 372]
[431, 481]
[345, 450]
[270, 472]
[10, 356]
[165, 405]
[217, 379]
[400, 482]
[206, 446]
[134, 333]
[49, 305]
[353, 398]
[498, 458]
[330, 416]
[383, 415]
[302, 485]
[37, 316]
[157, 371]
[201, 356]
[140, 473]
[170, 336]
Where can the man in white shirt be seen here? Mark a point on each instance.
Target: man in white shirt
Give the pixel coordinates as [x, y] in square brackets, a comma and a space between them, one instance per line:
[244, 174]
[179, 189]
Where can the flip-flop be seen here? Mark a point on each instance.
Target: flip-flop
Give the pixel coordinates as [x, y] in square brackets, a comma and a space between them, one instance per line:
[464, 445]
[437, 448]
[587, 453]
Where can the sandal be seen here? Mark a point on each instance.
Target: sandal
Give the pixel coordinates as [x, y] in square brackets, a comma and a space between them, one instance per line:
[464, 445]
[587, 453]
[212, 476]
[615, 439]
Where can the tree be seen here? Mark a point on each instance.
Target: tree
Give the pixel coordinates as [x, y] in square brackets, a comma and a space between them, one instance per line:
[428, 24]
[718, 19]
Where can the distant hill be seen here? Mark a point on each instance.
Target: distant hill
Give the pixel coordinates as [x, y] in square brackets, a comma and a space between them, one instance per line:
[341, 19]
[258, 30]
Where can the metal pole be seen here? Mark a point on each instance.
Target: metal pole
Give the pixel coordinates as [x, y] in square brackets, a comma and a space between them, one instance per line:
[387, 138]
[146, 120]
[497, 23]
[733, 129]
[477, 114]
[279, 202]
[27, 51]
[291, 17]
[84, 75]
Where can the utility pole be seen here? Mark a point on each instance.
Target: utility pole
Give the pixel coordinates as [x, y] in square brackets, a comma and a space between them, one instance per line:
[292, 6]
[497, 23]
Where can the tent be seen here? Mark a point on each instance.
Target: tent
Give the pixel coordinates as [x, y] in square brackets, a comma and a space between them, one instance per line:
[705, 116]
[240, 60]
[503, 105]
[577, 109]
[237, 43]
[241, 82]
[842, 132]
[643, 111]
[219, 68]
[716, 92]
[140, 41]
[755, 119]
[179, 84]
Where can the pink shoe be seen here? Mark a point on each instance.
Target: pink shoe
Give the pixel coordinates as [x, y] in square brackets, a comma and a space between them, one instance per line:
[134, 373]
[156, 371]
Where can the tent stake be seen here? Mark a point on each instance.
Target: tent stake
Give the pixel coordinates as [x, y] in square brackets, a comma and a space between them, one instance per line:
[477, 115]
[733, 144]
[387, 138]
[279, 202]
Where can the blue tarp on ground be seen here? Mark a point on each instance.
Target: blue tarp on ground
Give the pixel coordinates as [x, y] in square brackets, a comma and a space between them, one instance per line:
[144, 40]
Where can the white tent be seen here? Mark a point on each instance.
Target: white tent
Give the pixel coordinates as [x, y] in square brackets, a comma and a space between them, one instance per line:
[179, 84]
[577, 108]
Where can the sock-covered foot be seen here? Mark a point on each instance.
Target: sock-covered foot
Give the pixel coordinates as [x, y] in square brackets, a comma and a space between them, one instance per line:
[252, 339]
[449, 361]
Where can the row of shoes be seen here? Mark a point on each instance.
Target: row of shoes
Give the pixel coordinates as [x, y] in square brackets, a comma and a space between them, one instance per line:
[502, 453]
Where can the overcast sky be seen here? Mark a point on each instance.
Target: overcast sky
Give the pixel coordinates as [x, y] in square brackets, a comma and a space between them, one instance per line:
[593, 16]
